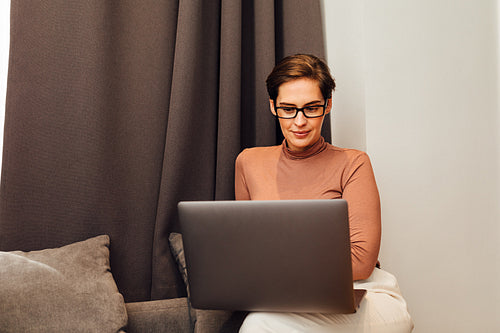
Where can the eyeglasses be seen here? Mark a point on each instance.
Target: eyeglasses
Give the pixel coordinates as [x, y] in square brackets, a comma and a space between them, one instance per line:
[290, 112]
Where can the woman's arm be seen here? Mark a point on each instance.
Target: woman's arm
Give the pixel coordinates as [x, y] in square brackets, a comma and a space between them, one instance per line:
[361, 193]
[240, 186]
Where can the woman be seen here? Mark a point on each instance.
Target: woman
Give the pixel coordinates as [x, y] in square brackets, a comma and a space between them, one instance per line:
[304, 166]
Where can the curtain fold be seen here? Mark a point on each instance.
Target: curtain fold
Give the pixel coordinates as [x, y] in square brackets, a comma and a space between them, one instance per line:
[118, 110]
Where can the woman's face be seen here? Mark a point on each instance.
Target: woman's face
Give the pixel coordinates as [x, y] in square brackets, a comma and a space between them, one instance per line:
[300, 132]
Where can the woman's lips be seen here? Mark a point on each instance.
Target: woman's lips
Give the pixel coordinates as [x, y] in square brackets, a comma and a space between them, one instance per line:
[301, 134]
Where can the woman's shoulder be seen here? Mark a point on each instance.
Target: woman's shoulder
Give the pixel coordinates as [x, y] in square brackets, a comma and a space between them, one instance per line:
[258, 154]
[348, 154]
[260, 151]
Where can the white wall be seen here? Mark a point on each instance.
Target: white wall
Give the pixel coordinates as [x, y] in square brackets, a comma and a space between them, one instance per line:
[421, 78]
[344, 34]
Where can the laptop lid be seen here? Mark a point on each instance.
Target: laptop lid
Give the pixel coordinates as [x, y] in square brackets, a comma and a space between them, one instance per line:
[280, 255]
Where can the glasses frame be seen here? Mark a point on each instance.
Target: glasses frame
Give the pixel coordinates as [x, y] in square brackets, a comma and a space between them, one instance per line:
[297, 110]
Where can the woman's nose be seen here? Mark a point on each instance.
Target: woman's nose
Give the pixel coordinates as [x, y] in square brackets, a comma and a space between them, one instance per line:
[300, 119]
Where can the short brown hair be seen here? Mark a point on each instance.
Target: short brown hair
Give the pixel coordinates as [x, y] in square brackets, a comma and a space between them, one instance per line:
[300, 66]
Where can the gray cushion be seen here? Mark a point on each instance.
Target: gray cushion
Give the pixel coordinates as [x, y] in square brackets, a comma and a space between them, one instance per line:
[177, 248]
[67, 289]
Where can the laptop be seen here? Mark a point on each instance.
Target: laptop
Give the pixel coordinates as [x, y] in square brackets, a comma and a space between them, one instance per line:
[280, 255]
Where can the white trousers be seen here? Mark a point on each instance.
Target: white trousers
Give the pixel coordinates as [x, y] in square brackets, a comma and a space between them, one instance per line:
[382, 309]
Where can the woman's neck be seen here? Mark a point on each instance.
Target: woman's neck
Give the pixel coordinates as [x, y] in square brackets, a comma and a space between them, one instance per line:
[315, 149]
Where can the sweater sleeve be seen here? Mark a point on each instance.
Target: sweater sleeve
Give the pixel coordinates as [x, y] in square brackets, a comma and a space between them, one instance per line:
[361, 193]
[240, 187]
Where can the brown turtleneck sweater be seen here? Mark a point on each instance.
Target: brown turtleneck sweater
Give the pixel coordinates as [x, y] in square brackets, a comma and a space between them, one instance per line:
[321, 172]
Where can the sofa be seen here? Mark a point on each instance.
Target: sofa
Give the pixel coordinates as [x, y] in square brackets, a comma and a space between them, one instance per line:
[72, 289]
[175, 315]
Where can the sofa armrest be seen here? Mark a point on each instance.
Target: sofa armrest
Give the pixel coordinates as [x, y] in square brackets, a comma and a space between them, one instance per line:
[170, 315]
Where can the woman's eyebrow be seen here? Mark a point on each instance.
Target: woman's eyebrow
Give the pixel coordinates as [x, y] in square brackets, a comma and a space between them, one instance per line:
[314, 102]
[309, 103]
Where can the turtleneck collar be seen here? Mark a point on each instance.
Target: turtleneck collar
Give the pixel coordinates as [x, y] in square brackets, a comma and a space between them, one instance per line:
[315, 149]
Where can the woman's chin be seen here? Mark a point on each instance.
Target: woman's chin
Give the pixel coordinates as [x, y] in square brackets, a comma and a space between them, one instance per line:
[298, 144]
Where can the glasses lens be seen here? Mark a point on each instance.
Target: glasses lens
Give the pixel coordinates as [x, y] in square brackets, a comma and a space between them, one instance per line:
[313, 111]
[284, 112]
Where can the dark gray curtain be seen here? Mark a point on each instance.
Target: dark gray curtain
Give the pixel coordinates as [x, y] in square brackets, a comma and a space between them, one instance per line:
[116, 110]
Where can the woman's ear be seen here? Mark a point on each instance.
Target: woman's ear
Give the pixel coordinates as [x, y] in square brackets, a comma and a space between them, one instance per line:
[329, 106]
[271, 106]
